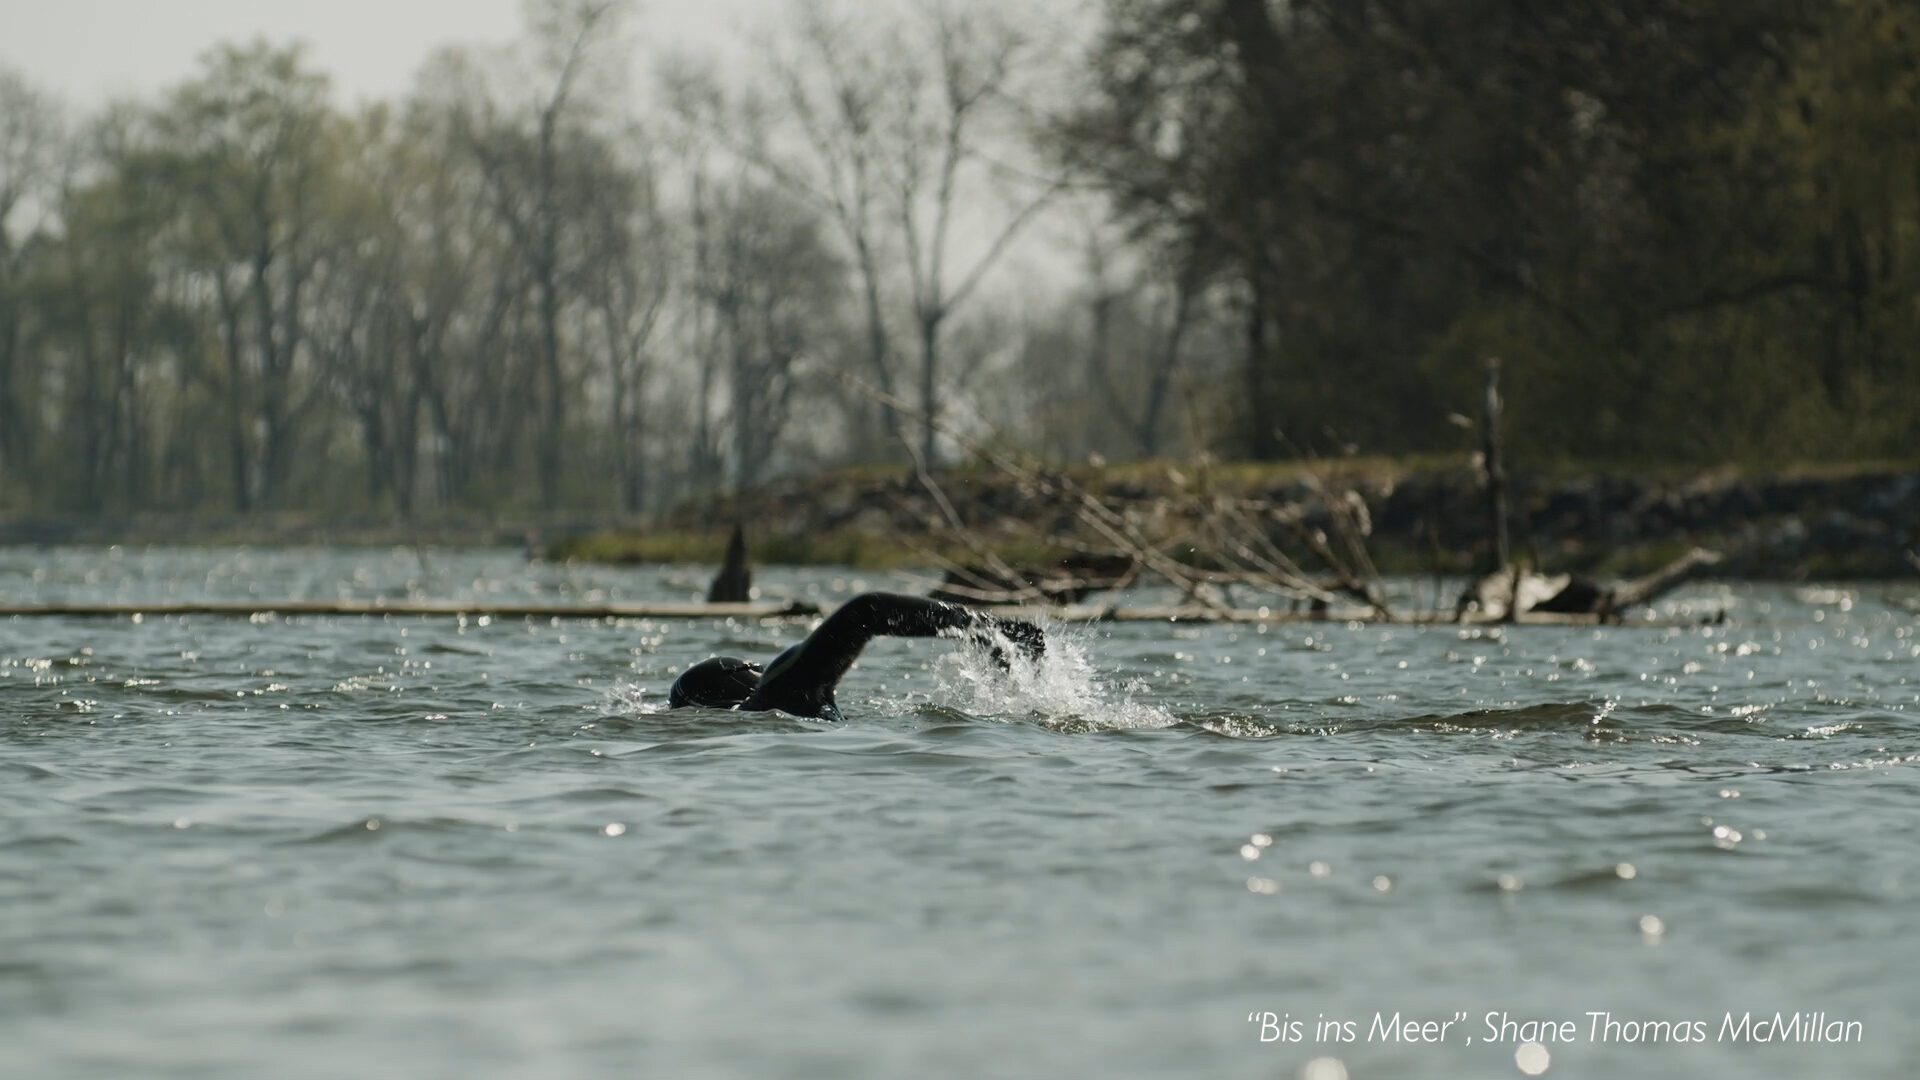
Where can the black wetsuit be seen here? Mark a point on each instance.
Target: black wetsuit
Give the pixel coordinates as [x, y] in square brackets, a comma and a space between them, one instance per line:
[801, 680]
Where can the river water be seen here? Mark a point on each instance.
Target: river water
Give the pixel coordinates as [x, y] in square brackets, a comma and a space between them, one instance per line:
[429, 847]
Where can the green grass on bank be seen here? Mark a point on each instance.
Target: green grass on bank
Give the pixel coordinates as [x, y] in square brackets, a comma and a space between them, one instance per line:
[867, 551]
[888, 548]
[680, 538]
[837, 547]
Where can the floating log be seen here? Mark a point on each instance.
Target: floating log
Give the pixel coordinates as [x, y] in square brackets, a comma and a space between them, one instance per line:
[249, 608]
[1664, 580]
[1194, 613]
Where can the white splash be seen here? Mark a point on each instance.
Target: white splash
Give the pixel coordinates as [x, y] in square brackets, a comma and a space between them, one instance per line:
[1062, 690]
[627, 697]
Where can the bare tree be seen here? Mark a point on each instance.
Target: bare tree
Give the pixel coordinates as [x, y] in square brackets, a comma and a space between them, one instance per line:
[104, 312]
[959, 63]
[838, 102]
[360, 323]
[251, 145]
[773, 286]
[29, 134]
[886, 126]
[536, 199]
[1139, 317]
[629, 274]
[464, 287]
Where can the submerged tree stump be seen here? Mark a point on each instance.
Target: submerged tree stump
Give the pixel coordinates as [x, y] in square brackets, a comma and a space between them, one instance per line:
[734, 583]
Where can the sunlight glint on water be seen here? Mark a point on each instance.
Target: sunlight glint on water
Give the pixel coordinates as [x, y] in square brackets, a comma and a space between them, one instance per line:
[314, 847]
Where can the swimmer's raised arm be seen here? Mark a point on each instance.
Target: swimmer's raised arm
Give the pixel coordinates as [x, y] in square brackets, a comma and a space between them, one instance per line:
[801, 680]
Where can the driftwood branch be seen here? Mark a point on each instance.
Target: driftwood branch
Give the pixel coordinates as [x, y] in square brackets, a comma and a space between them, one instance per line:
[959, 528]
[1110, 525]
[1664, 580]
[1231, 540]
[1201, 543]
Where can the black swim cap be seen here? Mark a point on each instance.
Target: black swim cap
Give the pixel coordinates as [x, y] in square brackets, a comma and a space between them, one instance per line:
[719, 683]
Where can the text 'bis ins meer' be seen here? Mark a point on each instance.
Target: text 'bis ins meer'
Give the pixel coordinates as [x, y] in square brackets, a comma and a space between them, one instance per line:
[1591, 1027]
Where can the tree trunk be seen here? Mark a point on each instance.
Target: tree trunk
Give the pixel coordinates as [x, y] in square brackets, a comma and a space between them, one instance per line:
[929, 387]
[550, 444]
[886, 419]
[236, 400]
[1149, 428]
[1263, 439]
[1496, 472]
[13, 436]
[547, 272]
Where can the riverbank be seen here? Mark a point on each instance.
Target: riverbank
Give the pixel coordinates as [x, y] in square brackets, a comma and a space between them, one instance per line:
[1856, 521]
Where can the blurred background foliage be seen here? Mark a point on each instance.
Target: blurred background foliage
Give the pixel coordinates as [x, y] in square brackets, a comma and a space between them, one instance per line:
[557, 278]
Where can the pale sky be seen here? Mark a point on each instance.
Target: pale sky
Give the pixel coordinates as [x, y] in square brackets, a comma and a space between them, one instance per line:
[88, 51]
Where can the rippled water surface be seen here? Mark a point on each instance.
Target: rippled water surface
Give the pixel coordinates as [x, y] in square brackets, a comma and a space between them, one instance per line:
[428, 847]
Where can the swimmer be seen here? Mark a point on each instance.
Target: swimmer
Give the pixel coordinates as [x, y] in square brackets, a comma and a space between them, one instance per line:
[800, 681]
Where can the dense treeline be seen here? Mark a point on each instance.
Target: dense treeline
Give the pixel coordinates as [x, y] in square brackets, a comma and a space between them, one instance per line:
[1688, 225]
[544, 281]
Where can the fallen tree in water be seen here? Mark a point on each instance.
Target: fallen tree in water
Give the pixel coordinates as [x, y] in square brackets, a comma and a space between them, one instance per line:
[1427, 517]
[1307, 550]
[1202, 545]
[1493, 596]
[1228, 556]
[1509, 590]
